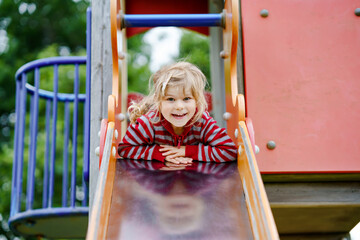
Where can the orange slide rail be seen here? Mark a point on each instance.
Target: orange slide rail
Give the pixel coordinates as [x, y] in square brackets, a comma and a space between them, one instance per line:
[99, 215]
[259, 211]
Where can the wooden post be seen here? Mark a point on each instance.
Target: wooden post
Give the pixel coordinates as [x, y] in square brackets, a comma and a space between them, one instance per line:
[217, 66]
[101, 75]
[240, 65]
[123, 75]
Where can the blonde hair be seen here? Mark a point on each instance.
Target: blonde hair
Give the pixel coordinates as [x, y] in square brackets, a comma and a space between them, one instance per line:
[182, 74]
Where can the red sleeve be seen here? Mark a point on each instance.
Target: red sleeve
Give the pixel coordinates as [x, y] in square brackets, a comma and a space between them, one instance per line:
[157, 155]
[138, 142]
[191, 151]
[215, 145]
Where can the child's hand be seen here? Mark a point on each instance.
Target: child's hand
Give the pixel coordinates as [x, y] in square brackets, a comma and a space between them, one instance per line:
[174, 154]
[172, 151]
[169, 166]
[173, 165]
[179, 160]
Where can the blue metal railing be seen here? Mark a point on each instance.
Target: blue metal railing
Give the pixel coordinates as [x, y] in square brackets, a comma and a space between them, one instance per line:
[88, 96]
[38, 120]
[47, 140]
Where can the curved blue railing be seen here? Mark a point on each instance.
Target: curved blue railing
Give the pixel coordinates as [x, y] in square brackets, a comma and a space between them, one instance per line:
[38, 114]
[50, 62]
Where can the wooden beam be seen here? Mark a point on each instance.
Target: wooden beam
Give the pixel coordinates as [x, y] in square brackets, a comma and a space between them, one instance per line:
[315, 208]
[332, 192]
[217, 66]
[101, 75]
[334, 236]
[311, 177]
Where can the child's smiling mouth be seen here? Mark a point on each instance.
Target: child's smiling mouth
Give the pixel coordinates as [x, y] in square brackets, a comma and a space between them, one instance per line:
[178, 115]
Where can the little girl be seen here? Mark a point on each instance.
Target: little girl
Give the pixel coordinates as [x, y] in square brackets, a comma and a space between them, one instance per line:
[172, 124]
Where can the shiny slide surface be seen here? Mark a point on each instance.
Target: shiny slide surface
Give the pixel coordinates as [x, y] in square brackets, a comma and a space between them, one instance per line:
[200, 201]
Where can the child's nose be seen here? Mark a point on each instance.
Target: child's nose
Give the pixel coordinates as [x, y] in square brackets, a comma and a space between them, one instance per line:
[179, 104]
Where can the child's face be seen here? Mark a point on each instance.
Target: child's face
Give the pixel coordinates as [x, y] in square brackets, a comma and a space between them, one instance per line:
[178, 107]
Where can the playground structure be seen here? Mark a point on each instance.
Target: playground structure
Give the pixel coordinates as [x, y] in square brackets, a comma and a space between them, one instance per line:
[258, 222]
[29, 218]
[48, 117]
[312, 194]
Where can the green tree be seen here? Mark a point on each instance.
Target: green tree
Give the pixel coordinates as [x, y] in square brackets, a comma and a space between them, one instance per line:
[138, 64]
[30, 30]
[26, 28]
[66, 80]
[194, 48]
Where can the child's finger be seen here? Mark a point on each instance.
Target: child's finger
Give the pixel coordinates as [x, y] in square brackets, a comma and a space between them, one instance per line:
[167, 153]
[168, 150]
[170, 164]
[184, 159]
[173, 153]
[163, 149]
[173, 160]
[189, 160]
[166, 146]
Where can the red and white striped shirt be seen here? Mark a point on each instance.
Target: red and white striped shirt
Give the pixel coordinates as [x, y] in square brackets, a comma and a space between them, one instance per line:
[204, 140]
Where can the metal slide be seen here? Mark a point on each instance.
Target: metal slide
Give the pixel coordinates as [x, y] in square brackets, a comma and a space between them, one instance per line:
[151, 200]
[199, 201]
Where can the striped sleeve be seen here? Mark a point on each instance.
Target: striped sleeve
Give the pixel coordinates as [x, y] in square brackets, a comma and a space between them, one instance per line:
[215, 145]
[138, 142]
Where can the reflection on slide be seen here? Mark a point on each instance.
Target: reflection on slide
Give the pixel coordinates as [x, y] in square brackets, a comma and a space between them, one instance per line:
[199, 201]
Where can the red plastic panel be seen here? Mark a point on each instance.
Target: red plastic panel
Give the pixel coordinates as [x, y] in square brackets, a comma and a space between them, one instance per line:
[302, 83]
[166, 7]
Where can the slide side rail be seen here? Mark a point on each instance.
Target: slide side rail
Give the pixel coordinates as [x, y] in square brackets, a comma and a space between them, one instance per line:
[261, 218]
[99, 215]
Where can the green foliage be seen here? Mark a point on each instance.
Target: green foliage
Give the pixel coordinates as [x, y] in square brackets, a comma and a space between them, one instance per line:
[30, 30]
[26, 28]
[138, 64]
[66, 83]
[194, 48]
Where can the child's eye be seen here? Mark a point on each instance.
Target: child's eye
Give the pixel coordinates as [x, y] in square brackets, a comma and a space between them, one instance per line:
[170, 99]
[187, 98]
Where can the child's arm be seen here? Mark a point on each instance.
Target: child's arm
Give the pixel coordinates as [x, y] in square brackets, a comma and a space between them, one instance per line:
[138, 142]
[215, 146]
